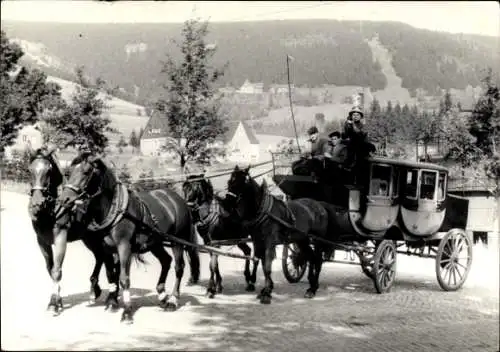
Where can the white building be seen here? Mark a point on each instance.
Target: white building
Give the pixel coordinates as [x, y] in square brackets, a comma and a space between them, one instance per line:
[154, 136]
[242, 146]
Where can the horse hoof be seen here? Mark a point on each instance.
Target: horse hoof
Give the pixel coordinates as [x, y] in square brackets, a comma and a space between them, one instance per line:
[265, 300]
[96, 293]
[170, 307]
[309, 294]
[192, 281]
[210, 294]
[219, 289]
[111, 307]
[127, 318]
[250, 288]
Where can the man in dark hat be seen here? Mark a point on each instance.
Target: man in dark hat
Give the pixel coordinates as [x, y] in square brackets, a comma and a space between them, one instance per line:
[312, 161]
[319, 145]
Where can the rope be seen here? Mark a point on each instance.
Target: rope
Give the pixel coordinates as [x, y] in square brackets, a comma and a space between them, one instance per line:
[218, 173]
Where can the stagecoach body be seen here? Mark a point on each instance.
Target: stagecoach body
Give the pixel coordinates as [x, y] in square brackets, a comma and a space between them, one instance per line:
[393, 199]
[392, 203]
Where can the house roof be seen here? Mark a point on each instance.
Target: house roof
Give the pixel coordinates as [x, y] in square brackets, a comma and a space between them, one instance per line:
[156, 122]
[233, 125]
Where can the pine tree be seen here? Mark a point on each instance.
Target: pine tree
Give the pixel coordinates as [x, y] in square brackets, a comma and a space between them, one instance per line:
[190, 103]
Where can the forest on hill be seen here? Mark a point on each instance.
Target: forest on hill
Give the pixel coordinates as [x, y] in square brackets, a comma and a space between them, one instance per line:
[325, 52]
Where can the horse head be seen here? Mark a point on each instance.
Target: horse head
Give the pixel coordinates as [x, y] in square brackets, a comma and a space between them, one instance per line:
[45, 178]
[244, 191]
[199, 195]
[90, 179]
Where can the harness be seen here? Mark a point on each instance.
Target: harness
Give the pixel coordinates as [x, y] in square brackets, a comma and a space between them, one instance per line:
[264, 212]
[116, 211]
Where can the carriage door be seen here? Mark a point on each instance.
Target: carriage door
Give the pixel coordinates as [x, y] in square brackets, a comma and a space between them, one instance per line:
[381, 208]
[420, 211]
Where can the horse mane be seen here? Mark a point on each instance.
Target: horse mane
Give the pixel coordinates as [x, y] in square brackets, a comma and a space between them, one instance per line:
[109, 179]
[208, 188]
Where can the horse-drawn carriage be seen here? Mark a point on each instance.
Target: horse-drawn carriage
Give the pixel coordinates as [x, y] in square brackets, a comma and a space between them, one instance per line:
[393, 204]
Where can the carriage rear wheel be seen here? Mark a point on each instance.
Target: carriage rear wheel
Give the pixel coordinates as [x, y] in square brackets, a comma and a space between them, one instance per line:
[453, 260]
[384, 266]
[293, 262]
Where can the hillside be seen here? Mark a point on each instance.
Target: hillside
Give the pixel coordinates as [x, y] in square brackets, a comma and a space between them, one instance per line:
[343, 53]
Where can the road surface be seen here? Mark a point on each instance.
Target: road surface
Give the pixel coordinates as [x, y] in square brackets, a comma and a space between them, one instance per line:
[346, 315]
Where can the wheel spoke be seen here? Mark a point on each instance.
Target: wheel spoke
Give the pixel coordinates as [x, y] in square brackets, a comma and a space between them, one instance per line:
[458, 248]
[459, 274]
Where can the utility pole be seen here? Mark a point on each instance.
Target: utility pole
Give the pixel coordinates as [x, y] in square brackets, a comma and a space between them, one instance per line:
[290, 99]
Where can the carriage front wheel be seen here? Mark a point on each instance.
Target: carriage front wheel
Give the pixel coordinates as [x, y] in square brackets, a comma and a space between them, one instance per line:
[384, 266]
[293, 262]
[453, 260]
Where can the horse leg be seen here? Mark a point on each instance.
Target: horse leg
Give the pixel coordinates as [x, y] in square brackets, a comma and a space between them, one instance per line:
[211, 290]
[95, 289]
[112, 264]
[46, 250]
[60, 244]
[313, 274]
[172, 301]
[267, 264]
[248, 277]
[194, 265]
[125, 254]
[218, 277]
[165, 261]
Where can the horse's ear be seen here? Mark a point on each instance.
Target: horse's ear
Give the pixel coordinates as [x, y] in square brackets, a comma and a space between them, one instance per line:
[236, 168]
[247, 169]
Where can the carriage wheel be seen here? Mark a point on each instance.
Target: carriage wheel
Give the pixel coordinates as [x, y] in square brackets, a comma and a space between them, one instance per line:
[384, 266]
[453, 260]
[366, 260]
[293, 262]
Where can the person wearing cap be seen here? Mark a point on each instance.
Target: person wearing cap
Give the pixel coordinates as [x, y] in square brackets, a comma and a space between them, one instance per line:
[319, 145]
[310, 161]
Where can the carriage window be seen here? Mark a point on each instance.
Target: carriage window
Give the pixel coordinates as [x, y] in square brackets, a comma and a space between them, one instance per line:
[380, 180]
[428, 185]
[441, 186]
[411, 183]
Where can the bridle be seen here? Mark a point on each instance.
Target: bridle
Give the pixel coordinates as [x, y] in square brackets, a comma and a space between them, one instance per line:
[82, 194]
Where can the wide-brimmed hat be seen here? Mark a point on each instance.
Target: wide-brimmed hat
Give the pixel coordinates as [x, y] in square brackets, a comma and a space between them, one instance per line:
[356, 109]
[334, 134]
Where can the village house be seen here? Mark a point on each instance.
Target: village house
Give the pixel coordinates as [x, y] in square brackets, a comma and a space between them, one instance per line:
[279, 89]
[154, 136]
[483, 220]
[242, 146]
[28, 136]
[251, 88]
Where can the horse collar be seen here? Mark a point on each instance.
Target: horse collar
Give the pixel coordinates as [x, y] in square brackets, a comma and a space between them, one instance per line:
[265, 207]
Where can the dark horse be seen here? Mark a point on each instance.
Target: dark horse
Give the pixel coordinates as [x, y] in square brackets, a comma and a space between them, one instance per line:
[136, 223]
[46, 176]
[215, 224]
[271, 221]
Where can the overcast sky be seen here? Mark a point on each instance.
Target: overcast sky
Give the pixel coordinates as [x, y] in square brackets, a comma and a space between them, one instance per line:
[458, 17]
